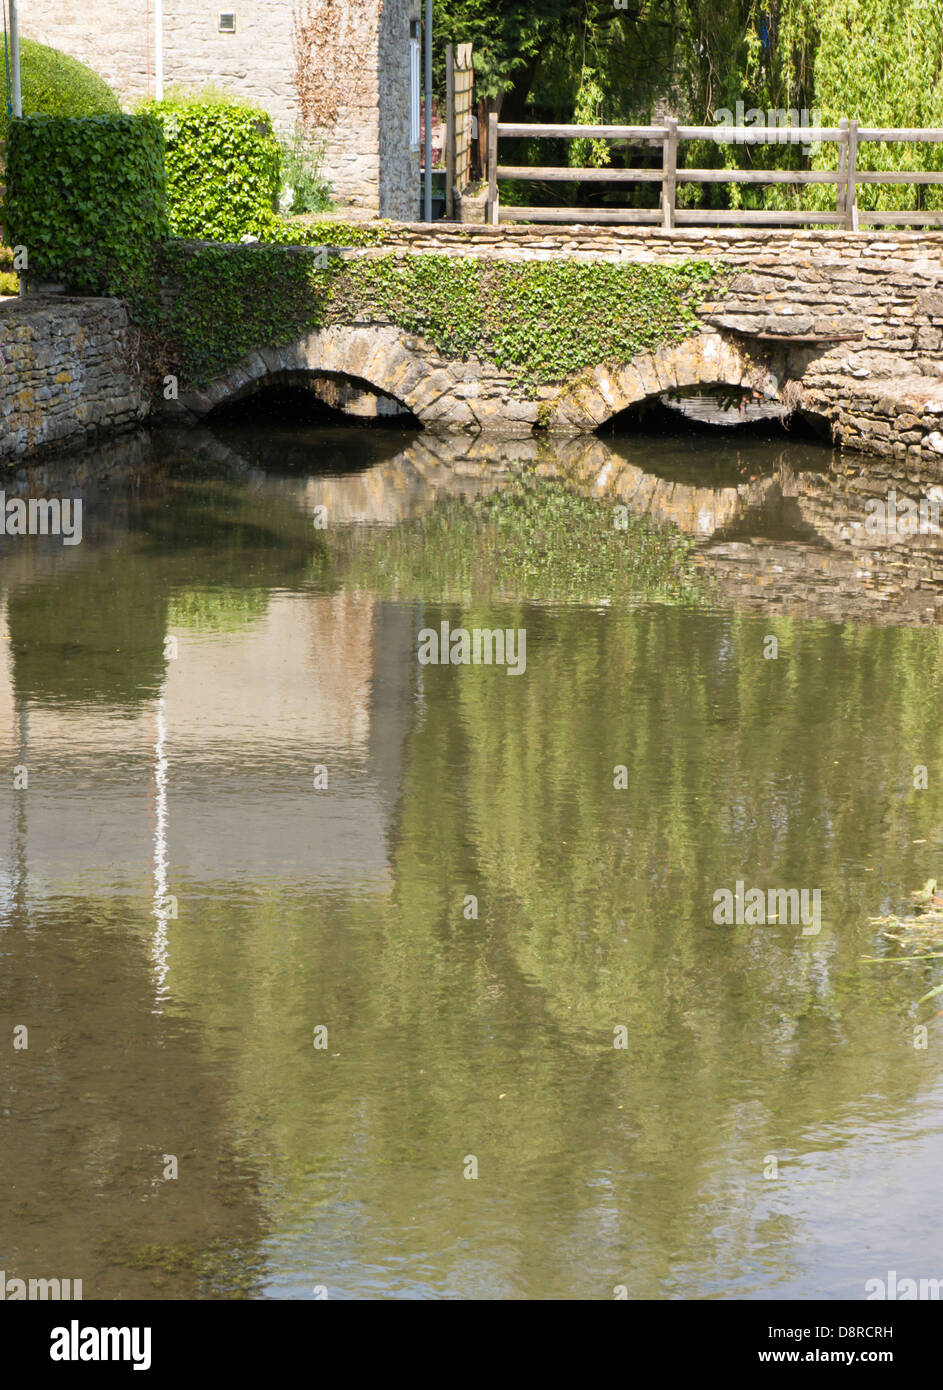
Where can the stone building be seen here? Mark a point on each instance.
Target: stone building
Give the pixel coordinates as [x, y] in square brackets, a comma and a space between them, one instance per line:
[349, 68]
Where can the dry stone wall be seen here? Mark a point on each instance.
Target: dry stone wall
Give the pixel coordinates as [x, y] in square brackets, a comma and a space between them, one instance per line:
[67, 373]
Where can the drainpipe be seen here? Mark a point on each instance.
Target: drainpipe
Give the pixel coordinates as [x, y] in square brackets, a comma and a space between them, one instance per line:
[159, 50]
[17, 97]
[427, 192]
[16, 94]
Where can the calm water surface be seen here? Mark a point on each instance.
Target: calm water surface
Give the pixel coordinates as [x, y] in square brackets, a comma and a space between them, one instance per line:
[153, 774]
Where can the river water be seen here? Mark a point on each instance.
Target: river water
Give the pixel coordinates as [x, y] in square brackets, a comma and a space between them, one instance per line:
[346, 973]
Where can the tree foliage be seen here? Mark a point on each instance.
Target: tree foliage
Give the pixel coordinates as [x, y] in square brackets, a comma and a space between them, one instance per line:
[53, 84]
[585, 61]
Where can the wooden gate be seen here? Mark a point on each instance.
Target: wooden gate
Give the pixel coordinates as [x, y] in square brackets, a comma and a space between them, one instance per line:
[459, 81]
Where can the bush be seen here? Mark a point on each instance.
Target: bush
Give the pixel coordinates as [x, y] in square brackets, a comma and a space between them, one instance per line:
[222, 166]
[53, 84]
[301, 174]
[86, 198]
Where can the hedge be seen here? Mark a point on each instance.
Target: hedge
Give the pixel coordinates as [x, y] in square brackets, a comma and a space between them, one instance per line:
[222, 167]
[53, 84]
[86, 197]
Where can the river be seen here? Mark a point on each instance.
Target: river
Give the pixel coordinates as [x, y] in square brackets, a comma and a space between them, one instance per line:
[346, 974]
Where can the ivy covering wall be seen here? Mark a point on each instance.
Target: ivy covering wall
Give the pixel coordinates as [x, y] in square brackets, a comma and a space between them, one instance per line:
[542, 321]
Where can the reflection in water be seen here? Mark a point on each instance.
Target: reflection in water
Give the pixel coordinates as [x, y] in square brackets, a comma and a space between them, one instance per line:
[163, 905]
[158, 781]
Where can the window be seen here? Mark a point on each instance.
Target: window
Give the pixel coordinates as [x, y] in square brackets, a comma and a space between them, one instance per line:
[227, 23]
[414, 93]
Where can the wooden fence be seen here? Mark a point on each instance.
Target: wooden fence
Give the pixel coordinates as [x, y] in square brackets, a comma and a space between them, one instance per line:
[848, 135]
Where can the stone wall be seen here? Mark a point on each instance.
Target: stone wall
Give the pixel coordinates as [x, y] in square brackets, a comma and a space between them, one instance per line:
[877, 384]
[845, 328]
[832, 325]
[359, 58]
[67, 373]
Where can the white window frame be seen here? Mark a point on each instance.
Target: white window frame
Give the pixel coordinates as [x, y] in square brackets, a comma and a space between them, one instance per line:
[415, 93]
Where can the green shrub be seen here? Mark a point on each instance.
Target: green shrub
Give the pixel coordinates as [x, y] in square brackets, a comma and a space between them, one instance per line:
[53, 84]
[222, 166]
[86, 198]
[301, 173]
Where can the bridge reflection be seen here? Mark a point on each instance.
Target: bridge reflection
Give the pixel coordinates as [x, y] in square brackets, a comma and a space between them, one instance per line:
[782, 527]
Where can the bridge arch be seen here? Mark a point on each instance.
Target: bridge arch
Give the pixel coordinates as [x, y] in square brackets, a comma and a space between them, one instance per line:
[477, 396]
[380, 357]
[703, 360]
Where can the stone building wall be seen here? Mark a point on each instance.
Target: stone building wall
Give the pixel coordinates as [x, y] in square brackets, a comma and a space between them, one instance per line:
[359, 57]
[399, 164]
[66, 373]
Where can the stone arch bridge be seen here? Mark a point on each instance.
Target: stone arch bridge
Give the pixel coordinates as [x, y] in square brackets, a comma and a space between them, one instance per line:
[382, 361]
[844, 328]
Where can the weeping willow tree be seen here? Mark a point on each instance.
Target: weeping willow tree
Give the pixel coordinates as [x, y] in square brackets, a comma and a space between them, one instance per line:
[882, 62]
[809, 61]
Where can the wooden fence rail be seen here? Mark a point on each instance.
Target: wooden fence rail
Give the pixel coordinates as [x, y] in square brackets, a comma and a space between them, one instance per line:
[847, 135]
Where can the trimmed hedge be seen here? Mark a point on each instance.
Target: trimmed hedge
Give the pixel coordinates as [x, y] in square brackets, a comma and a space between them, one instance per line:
[222, 167]
[53, 84]
[86, 197]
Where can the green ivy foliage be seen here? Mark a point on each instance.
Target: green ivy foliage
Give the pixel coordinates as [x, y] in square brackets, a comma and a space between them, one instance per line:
[295, 231]
[551, 319]
[228, 300]
[330, 232]
[53, 84]
[542, 321]
[86, 198]
[223, 164]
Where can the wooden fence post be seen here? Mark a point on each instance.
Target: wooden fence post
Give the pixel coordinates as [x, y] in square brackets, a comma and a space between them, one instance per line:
[841, 188]
[493, 168]
[669, 170]
[449, 133]
[851, 196]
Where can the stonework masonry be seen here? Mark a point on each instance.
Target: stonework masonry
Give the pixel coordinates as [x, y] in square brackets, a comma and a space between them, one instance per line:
[877, 383]
[361, 53]
[67, 373]
[845, 328]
